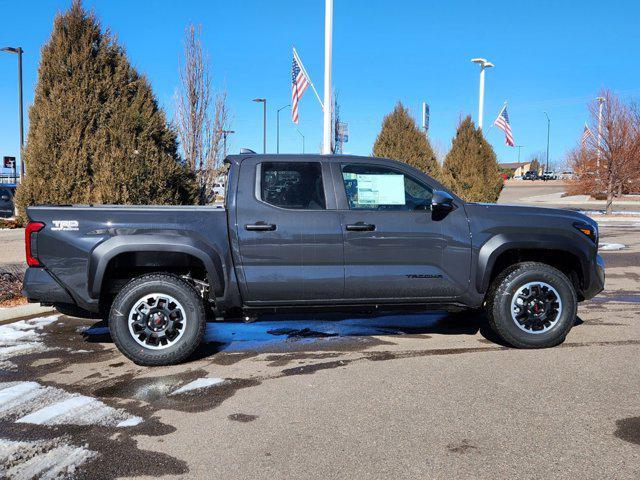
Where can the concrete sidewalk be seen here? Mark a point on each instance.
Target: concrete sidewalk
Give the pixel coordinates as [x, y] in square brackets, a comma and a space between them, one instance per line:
[558, 198]
[10, 314]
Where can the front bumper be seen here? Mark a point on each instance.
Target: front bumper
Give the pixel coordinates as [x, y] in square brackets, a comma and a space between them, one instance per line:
[40, 286]
[595, 282]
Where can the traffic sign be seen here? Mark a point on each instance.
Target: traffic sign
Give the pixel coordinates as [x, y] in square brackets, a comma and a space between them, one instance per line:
[342, 133]
[9, 162]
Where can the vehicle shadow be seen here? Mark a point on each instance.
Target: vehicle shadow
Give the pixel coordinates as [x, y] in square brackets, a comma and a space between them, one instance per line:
[308, 331]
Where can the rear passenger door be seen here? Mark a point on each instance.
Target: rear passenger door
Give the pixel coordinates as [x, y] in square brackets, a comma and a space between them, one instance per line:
[289, 234]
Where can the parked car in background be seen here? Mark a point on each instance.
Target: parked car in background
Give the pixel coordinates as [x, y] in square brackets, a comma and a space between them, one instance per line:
[549, 175]
[530, 175]
[7, 206]
[218, 189]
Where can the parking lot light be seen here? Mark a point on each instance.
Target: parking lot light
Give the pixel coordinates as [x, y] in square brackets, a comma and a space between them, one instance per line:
[484, 63]
[548, 131]
[18, 51]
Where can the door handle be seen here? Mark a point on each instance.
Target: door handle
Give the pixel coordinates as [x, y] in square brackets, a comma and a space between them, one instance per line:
[361, 227]
[260, 227]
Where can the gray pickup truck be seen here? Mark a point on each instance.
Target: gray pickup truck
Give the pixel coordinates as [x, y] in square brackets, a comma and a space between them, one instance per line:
[311, 231]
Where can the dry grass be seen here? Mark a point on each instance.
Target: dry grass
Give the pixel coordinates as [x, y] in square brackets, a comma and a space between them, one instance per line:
[11, 284]
[10, 223]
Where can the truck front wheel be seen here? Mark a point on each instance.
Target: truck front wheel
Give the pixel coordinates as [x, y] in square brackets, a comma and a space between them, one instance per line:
[532, 305]
[157, 319]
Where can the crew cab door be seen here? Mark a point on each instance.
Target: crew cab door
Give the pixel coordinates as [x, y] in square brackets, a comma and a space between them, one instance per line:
[288, 232]
[395, 249]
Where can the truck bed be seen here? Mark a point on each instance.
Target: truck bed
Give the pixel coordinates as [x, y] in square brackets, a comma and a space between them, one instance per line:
[79, 243]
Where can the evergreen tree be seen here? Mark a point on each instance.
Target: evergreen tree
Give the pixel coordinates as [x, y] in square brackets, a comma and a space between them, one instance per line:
[470, 168]
[96, 134]
[401, 139]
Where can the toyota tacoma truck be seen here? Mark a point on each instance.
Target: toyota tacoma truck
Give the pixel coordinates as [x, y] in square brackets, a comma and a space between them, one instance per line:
[311, 231]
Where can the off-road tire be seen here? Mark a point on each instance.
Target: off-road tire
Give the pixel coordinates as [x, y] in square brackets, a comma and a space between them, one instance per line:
[157, 283]
[498, 304]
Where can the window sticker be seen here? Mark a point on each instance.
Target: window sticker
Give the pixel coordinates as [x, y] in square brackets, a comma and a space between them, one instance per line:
[376, 189]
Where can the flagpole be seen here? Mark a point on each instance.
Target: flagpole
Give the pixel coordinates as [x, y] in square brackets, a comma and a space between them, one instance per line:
[295, 54]
[328, 34]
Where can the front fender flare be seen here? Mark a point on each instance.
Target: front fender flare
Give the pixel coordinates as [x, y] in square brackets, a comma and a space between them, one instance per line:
[500, 243]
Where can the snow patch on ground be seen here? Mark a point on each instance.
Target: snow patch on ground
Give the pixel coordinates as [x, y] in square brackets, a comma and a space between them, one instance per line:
[41, 459]
[611, 246]
[30, 402]
[198, 384]
[616, 212]
[22, 337]
[131, 422]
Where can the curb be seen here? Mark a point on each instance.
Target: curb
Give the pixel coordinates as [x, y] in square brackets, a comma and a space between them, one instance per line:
[10, 314]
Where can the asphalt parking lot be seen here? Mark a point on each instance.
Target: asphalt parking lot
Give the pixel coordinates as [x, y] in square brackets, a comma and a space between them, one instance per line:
[415, 395]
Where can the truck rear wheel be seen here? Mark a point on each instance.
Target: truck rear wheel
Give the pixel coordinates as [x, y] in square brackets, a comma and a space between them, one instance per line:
[532, 305]
[157, 319]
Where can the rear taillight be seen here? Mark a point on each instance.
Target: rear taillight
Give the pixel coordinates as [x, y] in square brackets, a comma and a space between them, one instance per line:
[32, 227]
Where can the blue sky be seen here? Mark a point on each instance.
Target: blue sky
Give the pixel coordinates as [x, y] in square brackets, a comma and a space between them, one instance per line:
[549, 55]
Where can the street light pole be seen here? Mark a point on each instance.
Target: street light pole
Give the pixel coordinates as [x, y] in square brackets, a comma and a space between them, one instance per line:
[302, 139]
[548, 132]
[601, 101]
[278, 127]
[328, 46]
[484, 63]
[19, 52]
[264, 122]
[519, 147]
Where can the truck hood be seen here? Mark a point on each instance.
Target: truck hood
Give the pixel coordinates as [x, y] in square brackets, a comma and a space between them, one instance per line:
[529, 218]
[495, 209]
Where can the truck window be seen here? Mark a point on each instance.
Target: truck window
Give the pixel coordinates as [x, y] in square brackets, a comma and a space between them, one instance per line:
[370, 187]
[296, 185]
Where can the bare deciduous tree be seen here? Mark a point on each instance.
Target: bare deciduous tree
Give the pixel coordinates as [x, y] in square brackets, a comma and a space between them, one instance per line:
[201, 115]
[612, 166]
[536, 159]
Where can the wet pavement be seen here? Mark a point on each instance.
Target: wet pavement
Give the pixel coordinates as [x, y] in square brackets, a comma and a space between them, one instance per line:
[385, 395]
[379, 395]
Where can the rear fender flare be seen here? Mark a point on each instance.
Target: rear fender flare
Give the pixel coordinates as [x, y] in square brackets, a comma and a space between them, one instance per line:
[108, 250]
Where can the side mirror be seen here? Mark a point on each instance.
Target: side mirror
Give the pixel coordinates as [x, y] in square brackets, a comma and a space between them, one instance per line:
[441, 202]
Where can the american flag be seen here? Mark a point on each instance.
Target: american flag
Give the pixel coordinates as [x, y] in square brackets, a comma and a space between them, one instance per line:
[299, 83]
[502, 122]
[586, 135]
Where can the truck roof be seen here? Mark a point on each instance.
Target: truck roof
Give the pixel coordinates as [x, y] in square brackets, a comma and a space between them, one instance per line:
[317, 157]
[299, 157]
